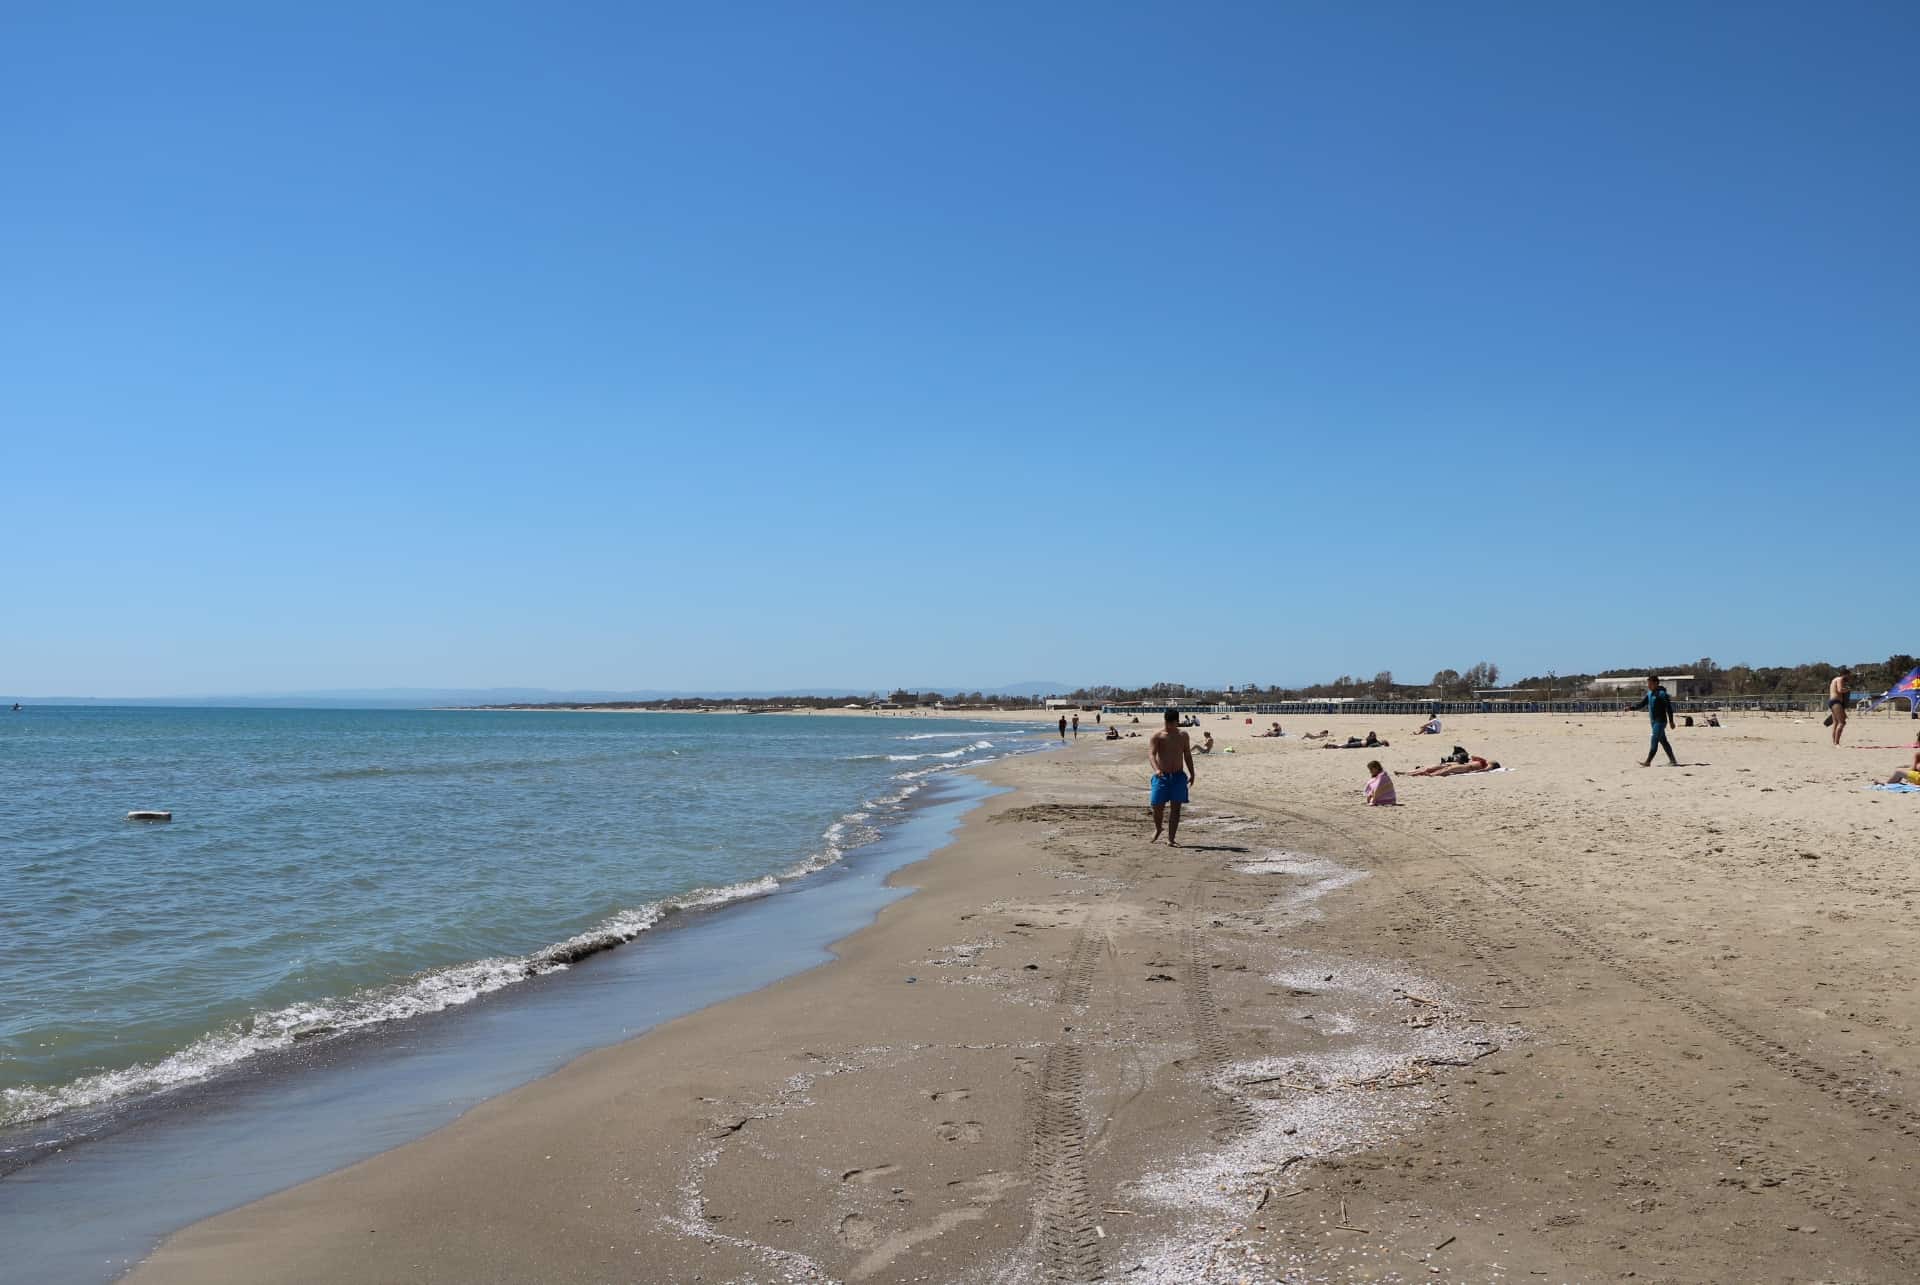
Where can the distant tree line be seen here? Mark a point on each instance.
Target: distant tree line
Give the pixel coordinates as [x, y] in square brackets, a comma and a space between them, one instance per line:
[903, 698]
[1711, 679]
[1451, 684]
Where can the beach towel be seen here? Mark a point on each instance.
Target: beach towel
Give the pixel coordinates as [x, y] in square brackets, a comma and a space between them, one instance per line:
[1896, 789]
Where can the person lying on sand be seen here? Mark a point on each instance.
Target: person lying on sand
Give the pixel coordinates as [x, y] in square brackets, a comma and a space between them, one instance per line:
[1429, 728]
[1355, 743]
[1907, 775]
[1320, 735]
[1379, 786]
[1474, 764]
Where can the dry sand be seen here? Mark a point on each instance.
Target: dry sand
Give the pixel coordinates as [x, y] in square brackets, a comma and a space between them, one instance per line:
[1580, 1021]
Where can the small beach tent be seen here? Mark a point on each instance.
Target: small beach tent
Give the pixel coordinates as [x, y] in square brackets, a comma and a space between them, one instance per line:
[1908, 687]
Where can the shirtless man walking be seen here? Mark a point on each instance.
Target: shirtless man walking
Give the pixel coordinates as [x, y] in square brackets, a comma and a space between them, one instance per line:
[1839, 696]
[1170, 754]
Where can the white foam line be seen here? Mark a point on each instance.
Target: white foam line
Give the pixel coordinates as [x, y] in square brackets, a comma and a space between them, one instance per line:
[438, 989]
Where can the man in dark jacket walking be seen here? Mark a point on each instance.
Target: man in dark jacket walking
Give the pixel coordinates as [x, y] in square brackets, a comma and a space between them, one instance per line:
[1659, 707]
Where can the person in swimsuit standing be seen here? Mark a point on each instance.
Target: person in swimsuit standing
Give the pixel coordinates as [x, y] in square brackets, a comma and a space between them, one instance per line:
[1168, 752]
[1839, 696]
[1659, 707]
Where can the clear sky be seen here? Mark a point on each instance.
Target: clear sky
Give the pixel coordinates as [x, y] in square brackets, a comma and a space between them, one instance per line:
[617, 345]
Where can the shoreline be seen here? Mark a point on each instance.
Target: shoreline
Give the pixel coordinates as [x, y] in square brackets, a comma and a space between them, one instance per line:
[1505, 1030]
[301, 1112]
[69, 1104]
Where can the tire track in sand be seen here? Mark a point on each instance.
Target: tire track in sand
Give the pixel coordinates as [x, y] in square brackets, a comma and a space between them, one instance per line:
[1819, 1187]
[1232, 1115]
[1062, 1209]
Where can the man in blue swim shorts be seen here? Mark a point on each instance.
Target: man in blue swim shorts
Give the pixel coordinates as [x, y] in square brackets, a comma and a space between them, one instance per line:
[1168, 753]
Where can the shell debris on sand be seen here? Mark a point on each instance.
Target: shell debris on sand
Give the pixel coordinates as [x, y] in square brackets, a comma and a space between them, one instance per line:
[1325, 876]
[1365, 1077]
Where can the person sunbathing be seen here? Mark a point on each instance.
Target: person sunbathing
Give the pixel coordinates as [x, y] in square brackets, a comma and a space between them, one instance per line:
[1272, 731]
[1320, 735]
[1907, 775]
[1473, 764]
[1429, 728]
[1355, 743]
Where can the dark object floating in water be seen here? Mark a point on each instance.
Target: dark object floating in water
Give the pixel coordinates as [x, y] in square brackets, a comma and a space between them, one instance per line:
[149, 816]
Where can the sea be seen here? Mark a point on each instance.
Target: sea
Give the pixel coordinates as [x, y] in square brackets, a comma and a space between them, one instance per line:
[342, 891]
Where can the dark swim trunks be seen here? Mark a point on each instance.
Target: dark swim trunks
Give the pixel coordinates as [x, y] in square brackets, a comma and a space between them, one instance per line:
[1169, 787]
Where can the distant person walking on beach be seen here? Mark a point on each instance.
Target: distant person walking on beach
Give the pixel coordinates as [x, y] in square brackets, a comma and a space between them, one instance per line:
[1839, 696]
[1659, 707]
[1063, 727]
[1076, 727]
[1170, 754]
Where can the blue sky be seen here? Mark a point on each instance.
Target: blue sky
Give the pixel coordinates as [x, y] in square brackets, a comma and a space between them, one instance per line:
[756, 345]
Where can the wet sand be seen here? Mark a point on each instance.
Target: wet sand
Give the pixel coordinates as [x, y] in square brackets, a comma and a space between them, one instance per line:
[1572, 1022]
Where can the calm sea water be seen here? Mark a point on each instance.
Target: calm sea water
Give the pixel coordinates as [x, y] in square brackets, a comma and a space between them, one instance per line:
[329, 870]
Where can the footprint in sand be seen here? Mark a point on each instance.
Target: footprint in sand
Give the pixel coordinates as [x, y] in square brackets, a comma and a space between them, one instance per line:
[961, 1131]
[950, 1095]
[857, 1232]
[984, 1189]
[869, 1174]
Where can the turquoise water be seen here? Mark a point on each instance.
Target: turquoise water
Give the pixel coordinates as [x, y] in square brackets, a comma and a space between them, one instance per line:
[327, 871]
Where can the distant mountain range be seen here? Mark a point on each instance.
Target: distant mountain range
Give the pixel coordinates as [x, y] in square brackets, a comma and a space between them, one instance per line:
[417, 697]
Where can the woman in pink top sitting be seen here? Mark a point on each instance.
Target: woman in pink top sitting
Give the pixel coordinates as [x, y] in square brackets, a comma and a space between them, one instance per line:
[1379, 787]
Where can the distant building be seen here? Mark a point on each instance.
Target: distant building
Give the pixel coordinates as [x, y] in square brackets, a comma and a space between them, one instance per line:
[1682, 686]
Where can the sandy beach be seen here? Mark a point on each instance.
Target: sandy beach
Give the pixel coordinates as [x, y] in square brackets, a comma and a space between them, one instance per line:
[1577, 1021]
